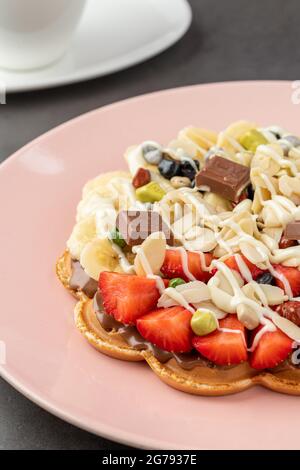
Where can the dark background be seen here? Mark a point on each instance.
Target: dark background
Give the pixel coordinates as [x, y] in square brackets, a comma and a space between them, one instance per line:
[228, 40]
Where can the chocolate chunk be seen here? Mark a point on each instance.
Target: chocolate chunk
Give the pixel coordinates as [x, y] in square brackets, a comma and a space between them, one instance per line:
[81, 281]
[223, 177]
[136, 226]
[141, 178]
[292, 230]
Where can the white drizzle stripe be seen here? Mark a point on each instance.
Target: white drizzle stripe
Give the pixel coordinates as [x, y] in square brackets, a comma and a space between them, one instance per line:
[243, 268]
[283, 279]
[200, 149]
[233, 142]
[239, 298]
[283, 162]
[280, 205]
[159, 282]
[125, 265]
[268, 327]
[184, 262]
[239, 332]
[179, 298]
[268, 183]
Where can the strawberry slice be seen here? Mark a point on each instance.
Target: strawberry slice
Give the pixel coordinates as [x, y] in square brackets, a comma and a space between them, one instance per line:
[286, 243]
[243, 196]
[224, 348]
[172, 266]
[292, 275]
[254, 270]
[168, 329]
[127, 297]
[273, 348]
[290, 310]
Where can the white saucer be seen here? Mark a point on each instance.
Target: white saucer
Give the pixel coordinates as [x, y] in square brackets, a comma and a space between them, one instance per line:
[112, 35]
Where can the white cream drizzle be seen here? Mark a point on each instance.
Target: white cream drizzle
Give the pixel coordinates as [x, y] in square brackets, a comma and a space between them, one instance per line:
[239, 297]
[179, 298]
[184, 262]
[283, 279]
[238, 332]
[124, 263]
[159, 282]
[194, 144]
[270, 136]
[233, 142]
[279, 204]
[229, 245]
[283, 162]
[243, 268]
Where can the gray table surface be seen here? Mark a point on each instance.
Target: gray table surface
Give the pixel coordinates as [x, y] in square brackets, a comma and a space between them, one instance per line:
[228, 40]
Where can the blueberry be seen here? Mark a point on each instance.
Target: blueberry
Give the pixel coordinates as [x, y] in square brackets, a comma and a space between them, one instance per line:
[169, 168]
[152, 154]
[250, 192]
[189, 169]
[265, 278]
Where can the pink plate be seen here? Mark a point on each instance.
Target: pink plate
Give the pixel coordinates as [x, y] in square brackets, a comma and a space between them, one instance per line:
[46, 357]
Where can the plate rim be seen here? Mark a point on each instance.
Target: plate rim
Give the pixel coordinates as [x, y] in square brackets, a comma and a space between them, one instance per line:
[134, 98]
[105, 431]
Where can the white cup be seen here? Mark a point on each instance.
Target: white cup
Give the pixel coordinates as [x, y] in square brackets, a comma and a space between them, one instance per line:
[35, 33]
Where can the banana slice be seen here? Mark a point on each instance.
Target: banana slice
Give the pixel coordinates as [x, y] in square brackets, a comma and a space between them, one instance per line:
[151, 254]
[228, 139]
[83, 233]
[187, 146]
[101, 181]
[204, 139]
[98, 256]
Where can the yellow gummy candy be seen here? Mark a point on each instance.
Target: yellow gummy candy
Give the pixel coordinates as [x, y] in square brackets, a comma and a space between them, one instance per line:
[151, 192]
[252, 139]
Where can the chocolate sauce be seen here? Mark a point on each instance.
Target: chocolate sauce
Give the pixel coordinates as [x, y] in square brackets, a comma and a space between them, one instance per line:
[288, 364]
[81, 280]
[136, 341]
[186, 361]
[107, 322]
